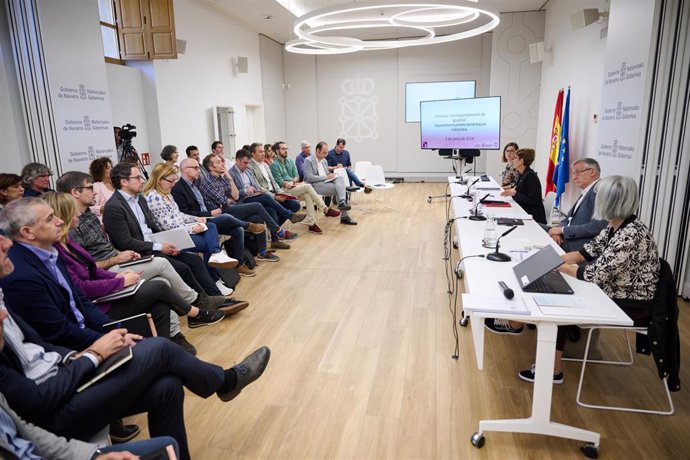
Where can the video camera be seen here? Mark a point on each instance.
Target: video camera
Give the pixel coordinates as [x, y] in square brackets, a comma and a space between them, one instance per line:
[127, 132]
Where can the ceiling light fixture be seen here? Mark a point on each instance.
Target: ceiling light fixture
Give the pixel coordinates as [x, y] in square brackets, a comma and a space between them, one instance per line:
[423, 22]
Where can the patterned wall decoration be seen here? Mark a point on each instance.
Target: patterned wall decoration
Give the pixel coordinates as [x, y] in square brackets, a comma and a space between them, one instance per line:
[515, 79]
[358, 114]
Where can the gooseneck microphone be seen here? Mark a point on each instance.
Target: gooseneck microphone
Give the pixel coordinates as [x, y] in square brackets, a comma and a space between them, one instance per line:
[507, 292]
[500, 256]
[475, 212]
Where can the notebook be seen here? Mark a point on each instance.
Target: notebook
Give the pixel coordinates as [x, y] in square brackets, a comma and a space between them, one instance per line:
[536, 273]
[122, 293]
[141, 324]
[108, 366]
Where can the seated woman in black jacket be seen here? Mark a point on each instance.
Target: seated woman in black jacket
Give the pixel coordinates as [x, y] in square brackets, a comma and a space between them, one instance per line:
[527, 191]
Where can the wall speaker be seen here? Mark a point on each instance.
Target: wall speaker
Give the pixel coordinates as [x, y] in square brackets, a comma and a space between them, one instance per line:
[536, 52]
[181, 46]
[242, 64]
[583, 18]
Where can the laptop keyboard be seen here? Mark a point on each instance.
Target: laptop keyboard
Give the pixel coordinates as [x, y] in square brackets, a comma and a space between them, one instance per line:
[539, 286]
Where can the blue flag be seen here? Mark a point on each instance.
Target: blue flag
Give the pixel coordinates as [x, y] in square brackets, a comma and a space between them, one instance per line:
[561, 174]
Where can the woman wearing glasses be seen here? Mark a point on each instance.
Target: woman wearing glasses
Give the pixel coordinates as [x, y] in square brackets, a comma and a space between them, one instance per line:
[168, 216]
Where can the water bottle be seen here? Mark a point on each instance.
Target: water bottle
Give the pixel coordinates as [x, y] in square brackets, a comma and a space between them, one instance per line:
[490, 233]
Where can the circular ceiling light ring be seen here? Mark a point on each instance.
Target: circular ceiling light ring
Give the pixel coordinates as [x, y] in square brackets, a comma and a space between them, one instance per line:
[468, 17]
[297, 46]
[336, 44]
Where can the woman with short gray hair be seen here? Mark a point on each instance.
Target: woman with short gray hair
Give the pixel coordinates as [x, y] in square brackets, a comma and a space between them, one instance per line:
[622, 260]
[36, 179]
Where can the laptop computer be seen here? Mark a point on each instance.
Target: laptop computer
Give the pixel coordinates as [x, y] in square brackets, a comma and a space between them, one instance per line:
[536, 273]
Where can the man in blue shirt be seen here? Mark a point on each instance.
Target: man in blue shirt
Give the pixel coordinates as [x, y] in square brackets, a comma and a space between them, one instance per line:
[305, 147]
[338, 157]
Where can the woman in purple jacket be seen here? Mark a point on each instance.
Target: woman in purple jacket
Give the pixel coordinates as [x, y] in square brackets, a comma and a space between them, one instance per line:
[153, 296]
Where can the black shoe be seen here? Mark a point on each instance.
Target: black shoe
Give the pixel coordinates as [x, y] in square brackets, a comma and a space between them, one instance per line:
[181, 340]
[352, 189]
[232, 306]
[205, 318]
[119, 432]
[343, 206]
[248, 371]
[528, 376]
[209, 302]
[502, 326]
[347, 221]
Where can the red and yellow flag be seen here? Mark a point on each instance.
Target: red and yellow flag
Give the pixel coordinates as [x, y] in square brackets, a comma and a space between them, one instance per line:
[555, 143]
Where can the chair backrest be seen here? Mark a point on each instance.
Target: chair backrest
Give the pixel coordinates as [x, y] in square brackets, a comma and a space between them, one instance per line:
[548, 205]
[361, 169]
[375, 175]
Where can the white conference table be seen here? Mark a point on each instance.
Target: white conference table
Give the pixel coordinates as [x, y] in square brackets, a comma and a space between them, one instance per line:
[482, 276]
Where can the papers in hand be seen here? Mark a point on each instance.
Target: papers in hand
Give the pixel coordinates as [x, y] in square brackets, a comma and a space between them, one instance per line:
[122, 293]
[177, 236]
[493, 303]
[108, 366]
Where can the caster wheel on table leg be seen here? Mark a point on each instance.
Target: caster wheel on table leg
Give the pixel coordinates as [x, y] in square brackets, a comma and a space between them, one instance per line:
[477, 440]
[464, 321]
[590, 450]
[428, 200]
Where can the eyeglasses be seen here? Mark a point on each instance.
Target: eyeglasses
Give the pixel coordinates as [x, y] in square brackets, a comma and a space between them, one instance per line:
[139, 178]
[86, 187]
[169, 181]
[577, 172]
[193, 167]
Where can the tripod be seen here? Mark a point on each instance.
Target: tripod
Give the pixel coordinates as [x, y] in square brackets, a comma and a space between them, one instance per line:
[130, 155]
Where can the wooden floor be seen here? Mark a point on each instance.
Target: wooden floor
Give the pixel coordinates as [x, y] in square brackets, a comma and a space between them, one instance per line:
[359, 326]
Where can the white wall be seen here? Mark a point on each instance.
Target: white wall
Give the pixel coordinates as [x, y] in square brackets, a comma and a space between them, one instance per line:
[126, 88]
[272, 82]
[575, 59]
[516, 80]
[361, 97]
[187, 88]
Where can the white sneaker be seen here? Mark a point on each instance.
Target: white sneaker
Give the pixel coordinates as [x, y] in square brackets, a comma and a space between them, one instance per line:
[222, 260]
[226, 291]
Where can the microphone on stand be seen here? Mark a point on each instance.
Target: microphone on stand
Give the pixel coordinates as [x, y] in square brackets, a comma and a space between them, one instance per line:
[461, 181]
[500, 256]
[475, 214]
[467, 193]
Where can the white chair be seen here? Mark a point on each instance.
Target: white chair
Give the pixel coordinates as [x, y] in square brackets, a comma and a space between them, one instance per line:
[628, 362]
[377, 180]
[548, 207]
[361, 170]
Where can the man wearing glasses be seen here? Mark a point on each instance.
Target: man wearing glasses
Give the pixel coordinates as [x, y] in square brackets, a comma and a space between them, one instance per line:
[578, 228]
[129, 223]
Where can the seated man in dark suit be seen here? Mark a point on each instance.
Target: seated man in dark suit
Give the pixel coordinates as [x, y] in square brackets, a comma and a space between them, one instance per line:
[129, 224]
[40, 285]
[578, 228]
[40, 380]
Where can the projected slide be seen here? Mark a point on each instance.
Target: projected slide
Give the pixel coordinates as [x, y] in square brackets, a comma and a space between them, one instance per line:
[461, 123]
[433, 91]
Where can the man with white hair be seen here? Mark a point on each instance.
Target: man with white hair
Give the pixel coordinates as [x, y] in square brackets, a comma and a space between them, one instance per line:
[305, 147]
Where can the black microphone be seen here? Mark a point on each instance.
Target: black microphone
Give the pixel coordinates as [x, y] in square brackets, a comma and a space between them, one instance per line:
[485, 197]
[500, 256]
[507, 292]
[467, 193]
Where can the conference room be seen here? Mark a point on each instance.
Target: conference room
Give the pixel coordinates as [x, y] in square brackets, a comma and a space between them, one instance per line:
[378, 344]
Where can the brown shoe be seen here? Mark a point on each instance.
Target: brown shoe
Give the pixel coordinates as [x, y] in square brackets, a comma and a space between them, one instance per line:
[297, 217]
[245, 271]
[256, 229]
[315, 229]
[232, 306]
[277, 244]
[330, 212]
[368, 189]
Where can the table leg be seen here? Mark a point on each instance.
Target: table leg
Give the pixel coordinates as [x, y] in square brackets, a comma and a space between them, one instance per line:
[540, 420]
[477, 325]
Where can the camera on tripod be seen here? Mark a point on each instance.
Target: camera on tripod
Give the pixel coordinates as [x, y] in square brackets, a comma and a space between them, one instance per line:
[127, 132]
